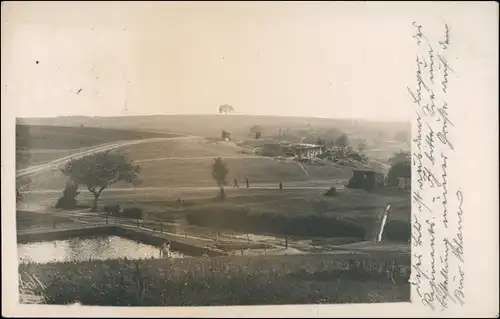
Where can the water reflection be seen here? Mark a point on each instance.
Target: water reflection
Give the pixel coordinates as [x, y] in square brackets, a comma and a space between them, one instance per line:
[87, 248]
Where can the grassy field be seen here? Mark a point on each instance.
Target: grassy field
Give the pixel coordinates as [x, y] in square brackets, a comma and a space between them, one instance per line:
[41, 144]
[30, 220]
[182, 149]
[258, 205]
[193, 172]
[271, 280]
[60, 137]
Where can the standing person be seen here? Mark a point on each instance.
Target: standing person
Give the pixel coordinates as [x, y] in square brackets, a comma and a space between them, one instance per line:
[247, 182]
[281, 186]
[236, 183]
[165, 249]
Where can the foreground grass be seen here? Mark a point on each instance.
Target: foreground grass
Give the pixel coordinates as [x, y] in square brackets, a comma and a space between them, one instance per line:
[226, 281]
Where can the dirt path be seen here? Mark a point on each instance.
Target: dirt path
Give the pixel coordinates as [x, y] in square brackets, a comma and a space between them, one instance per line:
[202, 158]
[304, 169]
[202, 188]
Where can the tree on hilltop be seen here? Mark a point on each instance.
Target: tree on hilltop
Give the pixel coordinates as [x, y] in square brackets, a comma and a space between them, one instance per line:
[226, 108]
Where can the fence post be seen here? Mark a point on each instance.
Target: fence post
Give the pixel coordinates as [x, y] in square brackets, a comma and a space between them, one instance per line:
[137, 222]
[265, 249]
[161, 228]
[286, 242]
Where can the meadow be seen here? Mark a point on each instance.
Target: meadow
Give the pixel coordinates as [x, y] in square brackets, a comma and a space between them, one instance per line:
[180, 163]
[42, 144]
[63, 138]
[271, 280]
[296, 212]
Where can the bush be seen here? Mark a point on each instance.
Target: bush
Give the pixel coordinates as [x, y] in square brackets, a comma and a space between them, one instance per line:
[244, 221]
[112, 209]
[68, 200]
[332, 191]
[397, 170]
[132, 212]
[397, 230]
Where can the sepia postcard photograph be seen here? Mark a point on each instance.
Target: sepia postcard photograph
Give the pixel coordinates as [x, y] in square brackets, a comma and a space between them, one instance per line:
[214, 154]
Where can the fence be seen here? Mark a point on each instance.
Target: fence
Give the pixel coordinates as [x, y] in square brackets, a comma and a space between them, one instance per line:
[186, 231]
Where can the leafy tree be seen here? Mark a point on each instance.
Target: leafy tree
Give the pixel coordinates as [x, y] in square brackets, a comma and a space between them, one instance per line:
[98, 171]
[401, 156]
[219, 173]
[226, 108]
[399, 170]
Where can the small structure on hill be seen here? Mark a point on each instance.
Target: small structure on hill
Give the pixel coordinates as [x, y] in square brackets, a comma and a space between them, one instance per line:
[306, 150]
[366, 179]
[225, 136]
[292, 149]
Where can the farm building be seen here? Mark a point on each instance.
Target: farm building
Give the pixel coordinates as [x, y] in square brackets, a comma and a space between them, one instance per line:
[292, 149]
[306, 150]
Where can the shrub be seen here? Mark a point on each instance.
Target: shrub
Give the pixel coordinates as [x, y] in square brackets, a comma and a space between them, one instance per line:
[332, 191]
[244, 221]
[68, 200]
[132, 212]
[397, 230]
[112, 209]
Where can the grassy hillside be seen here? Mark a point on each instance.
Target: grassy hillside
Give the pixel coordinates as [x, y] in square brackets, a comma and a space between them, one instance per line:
[59, 137]
[219, 281]
[41, 144]
[182, 149]
[189, 163]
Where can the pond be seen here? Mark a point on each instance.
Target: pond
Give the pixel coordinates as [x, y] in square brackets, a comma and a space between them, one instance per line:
[88, 248]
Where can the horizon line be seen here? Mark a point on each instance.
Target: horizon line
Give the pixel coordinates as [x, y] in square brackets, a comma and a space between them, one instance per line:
[215, 114]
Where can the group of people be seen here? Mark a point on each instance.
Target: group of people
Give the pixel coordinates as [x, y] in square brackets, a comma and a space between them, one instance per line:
[236, 185]
[247, 182]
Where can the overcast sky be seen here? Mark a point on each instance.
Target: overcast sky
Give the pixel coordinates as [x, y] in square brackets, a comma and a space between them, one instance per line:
[340, 60]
